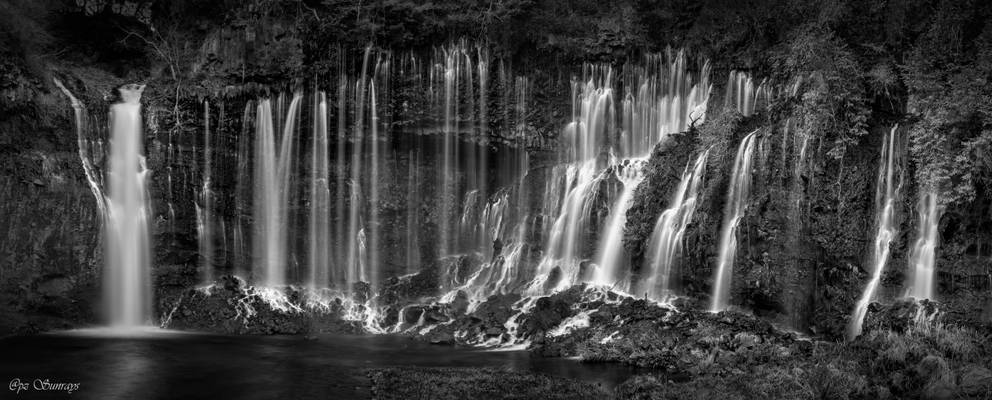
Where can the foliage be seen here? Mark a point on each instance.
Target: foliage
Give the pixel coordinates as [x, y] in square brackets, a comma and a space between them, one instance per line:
[828, 380]
[833, 106]
[948, 73]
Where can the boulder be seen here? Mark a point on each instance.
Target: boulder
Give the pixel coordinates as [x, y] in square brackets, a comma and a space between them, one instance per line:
[441, 338]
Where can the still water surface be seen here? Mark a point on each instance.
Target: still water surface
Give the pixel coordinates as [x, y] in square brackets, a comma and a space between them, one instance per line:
[171, 365]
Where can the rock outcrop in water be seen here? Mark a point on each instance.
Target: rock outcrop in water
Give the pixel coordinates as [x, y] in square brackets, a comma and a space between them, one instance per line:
[233, 307]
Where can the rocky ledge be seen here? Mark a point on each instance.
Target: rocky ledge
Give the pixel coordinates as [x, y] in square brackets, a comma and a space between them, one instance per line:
[231, 306]
[907, 349]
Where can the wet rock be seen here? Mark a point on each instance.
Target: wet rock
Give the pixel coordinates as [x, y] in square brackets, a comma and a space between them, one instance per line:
[459, 305]
[436, 314]
[554, 277]
[412, 314]
[233, 307]
[548, 312]
[362, 291]
[441, 338]
[497, 309]
[494, 331]
[458, 268]
[586, 269]
[900, 316]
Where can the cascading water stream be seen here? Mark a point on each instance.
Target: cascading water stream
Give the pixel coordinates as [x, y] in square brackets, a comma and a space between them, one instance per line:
[127, 281]
[744, 95]
[611, 263]
[204, 210]
[85, 156]
[666, 239]
[922, 259]
[272, 191]
[662, 98]
[737, 200]
[127, 301]
[887, 192]
[320, 199]
[355, 261]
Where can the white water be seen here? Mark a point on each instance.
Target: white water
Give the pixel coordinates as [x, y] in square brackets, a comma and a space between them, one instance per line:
[272, 189]
[612, 263]
[662, 98]
[127, 286]
[745, 95]
[666, 239]
[923, 257]
[320, 199]
[887, 192]
[204, 210]
[737, 201]
[355, 261]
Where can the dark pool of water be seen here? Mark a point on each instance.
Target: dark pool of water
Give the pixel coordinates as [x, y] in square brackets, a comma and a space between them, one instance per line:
[192, 366]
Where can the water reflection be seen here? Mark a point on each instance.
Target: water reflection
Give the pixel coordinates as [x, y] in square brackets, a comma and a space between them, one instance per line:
[210, 366]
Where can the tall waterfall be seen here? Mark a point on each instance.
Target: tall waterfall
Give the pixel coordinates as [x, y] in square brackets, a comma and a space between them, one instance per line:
[887, 190]
[379, 198]
[924, 254]
[272, 191]
[204, 209]
[127, 281]
[320, 199]
[666, 239]
[356, 243]
[122, 199]
[662, 97]
[737, 200]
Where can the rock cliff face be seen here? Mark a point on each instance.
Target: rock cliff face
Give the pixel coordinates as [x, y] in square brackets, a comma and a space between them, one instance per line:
[805, 240]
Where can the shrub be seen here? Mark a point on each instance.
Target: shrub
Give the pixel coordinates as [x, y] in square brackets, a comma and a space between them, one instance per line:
[830, 381]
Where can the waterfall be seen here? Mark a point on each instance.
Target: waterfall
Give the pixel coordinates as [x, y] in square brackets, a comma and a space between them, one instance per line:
[666, 238]
[737, 199]
[340, 186]
[887, 191]
[204, 210]
[85, 149]
[611, 261]
[744, 95]
[372, 270]
[127, 293]
[500, 271]
[923, 256]
[272, 192]
[320, 199]
[127, 281]
[662, 97]
[592, 124]
[356, 248]
[413, 211]
[448, 152]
